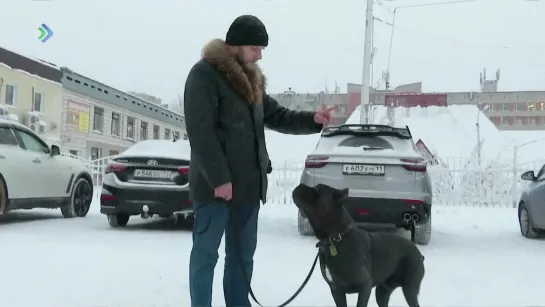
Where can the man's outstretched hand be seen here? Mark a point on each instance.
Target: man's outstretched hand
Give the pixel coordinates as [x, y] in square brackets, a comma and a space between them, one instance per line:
[324, 117]
[224, 191]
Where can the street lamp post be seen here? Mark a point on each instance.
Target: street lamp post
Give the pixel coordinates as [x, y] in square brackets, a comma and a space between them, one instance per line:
[367, 54]
[479, 142]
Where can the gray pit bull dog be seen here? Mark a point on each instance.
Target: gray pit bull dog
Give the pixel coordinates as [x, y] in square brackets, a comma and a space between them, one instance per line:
[353, 260]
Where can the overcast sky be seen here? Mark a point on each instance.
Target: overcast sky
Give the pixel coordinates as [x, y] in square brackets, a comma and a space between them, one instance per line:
[149, 46]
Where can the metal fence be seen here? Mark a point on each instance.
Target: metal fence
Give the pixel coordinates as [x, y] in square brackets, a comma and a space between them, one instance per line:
[456, 181]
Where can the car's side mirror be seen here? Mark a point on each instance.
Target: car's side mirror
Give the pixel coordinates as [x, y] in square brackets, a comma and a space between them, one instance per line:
[528, 175]
[55, 150]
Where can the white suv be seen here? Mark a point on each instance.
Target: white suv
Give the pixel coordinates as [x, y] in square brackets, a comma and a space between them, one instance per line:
[34, 175]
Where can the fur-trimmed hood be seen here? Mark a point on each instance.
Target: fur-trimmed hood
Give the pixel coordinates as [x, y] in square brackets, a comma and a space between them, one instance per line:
[247, 80]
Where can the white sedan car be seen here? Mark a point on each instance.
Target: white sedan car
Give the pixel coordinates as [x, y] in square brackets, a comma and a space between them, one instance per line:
[34, 175]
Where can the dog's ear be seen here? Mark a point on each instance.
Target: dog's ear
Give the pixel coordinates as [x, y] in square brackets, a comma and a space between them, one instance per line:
[303, 195]
[341, 194]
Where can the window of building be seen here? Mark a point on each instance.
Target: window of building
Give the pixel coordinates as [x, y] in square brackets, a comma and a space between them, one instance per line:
[73, 152]
[130, 127]
[38, 102]
[143, 130]
[114, 152]
[10, 96]
[185, 136]
[531, 120]
[341, 109]
[167, 134]
[176, 135]
[98, 119]
[518, 120]
[155, 132]
[116, 124]
[505, 120]
[96, 153]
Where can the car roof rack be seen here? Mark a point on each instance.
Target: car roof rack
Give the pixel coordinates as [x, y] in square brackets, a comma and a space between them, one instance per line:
[365, 129]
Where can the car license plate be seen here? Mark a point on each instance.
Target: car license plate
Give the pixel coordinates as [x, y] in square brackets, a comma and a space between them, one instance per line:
[363, 169]
[147, 173]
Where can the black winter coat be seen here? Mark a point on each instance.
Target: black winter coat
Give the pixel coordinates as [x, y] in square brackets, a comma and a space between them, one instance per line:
[226, 109]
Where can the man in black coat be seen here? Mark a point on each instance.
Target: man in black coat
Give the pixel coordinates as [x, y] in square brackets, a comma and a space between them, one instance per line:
[226, 109]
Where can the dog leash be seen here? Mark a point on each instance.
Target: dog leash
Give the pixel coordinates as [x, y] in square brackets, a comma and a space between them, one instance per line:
[246, 275]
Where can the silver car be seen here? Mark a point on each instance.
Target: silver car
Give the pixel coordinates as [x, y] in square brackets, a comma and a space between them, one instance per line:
[531, 207]
[386, 176]
[149, 178]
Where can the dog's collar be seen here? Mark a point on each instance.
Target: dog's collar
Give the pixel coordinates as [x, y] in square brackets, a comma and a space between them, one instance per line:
[334, 239]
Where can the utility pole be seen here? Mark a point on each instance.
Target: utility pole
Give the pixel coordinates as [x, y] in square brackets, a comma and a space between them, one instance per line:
[367, 54]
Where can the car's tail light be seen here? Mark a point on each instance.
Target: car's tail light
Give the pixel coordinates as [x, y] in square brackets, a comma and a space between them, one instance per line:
[414, 165]
[184, 170]
[412, 201]
[115, 167]
[107, 197]
[315, 162]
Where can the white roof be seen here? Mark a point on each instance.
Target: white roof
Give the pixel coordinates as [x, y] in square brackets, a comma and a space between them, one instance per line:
[159, 149]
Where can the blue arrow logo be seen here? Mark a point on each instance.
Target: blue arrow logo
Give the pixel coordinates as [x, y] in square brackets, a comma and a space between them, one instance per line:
[45, 33]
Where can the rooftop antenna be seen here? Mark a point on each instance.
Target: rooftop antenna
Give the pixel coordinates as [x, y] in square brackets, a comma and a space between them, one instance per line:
[386, 78]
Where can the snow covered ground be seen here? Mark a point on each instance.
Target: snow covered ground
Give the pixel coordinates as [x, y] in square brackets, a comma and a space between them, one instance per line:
[477, 258]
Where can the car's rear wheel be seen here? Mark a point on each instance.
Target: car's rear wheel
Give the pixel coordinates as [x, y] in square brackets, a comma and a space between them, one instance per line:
[3, 197]
[421, 233]
[303, 225]
[80, 199]
[118, 220]
[525, 223]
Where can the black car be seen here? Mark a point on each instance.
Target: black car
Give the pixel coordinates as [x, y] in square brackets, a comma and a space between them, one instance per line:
[150, 178]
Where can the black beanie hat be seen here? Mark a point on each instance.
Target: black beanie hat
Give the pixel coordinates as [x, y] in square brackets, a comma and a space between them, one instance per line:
[247, 30]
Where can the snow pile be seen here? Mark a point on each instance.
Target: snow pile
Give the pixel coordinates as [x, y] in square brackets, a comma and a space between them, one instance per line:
[450, 133]
[446, 131]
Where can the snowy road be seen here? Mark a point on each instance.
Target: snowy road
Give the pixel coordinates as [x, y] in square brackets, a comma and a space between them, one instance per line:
[477, 258]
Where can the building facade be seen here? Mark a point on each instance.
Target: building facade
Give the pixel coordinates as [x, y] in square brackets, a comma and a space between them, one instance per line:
[524, 110]
[101, 121]
[314, 102]
[83, 116]
[31, 93]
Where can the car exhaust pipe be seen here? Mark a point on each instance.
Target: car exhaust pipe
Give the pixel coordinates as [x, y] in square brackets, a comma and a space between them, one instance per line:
[415, 217]
[407, 217]
[146, 214]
